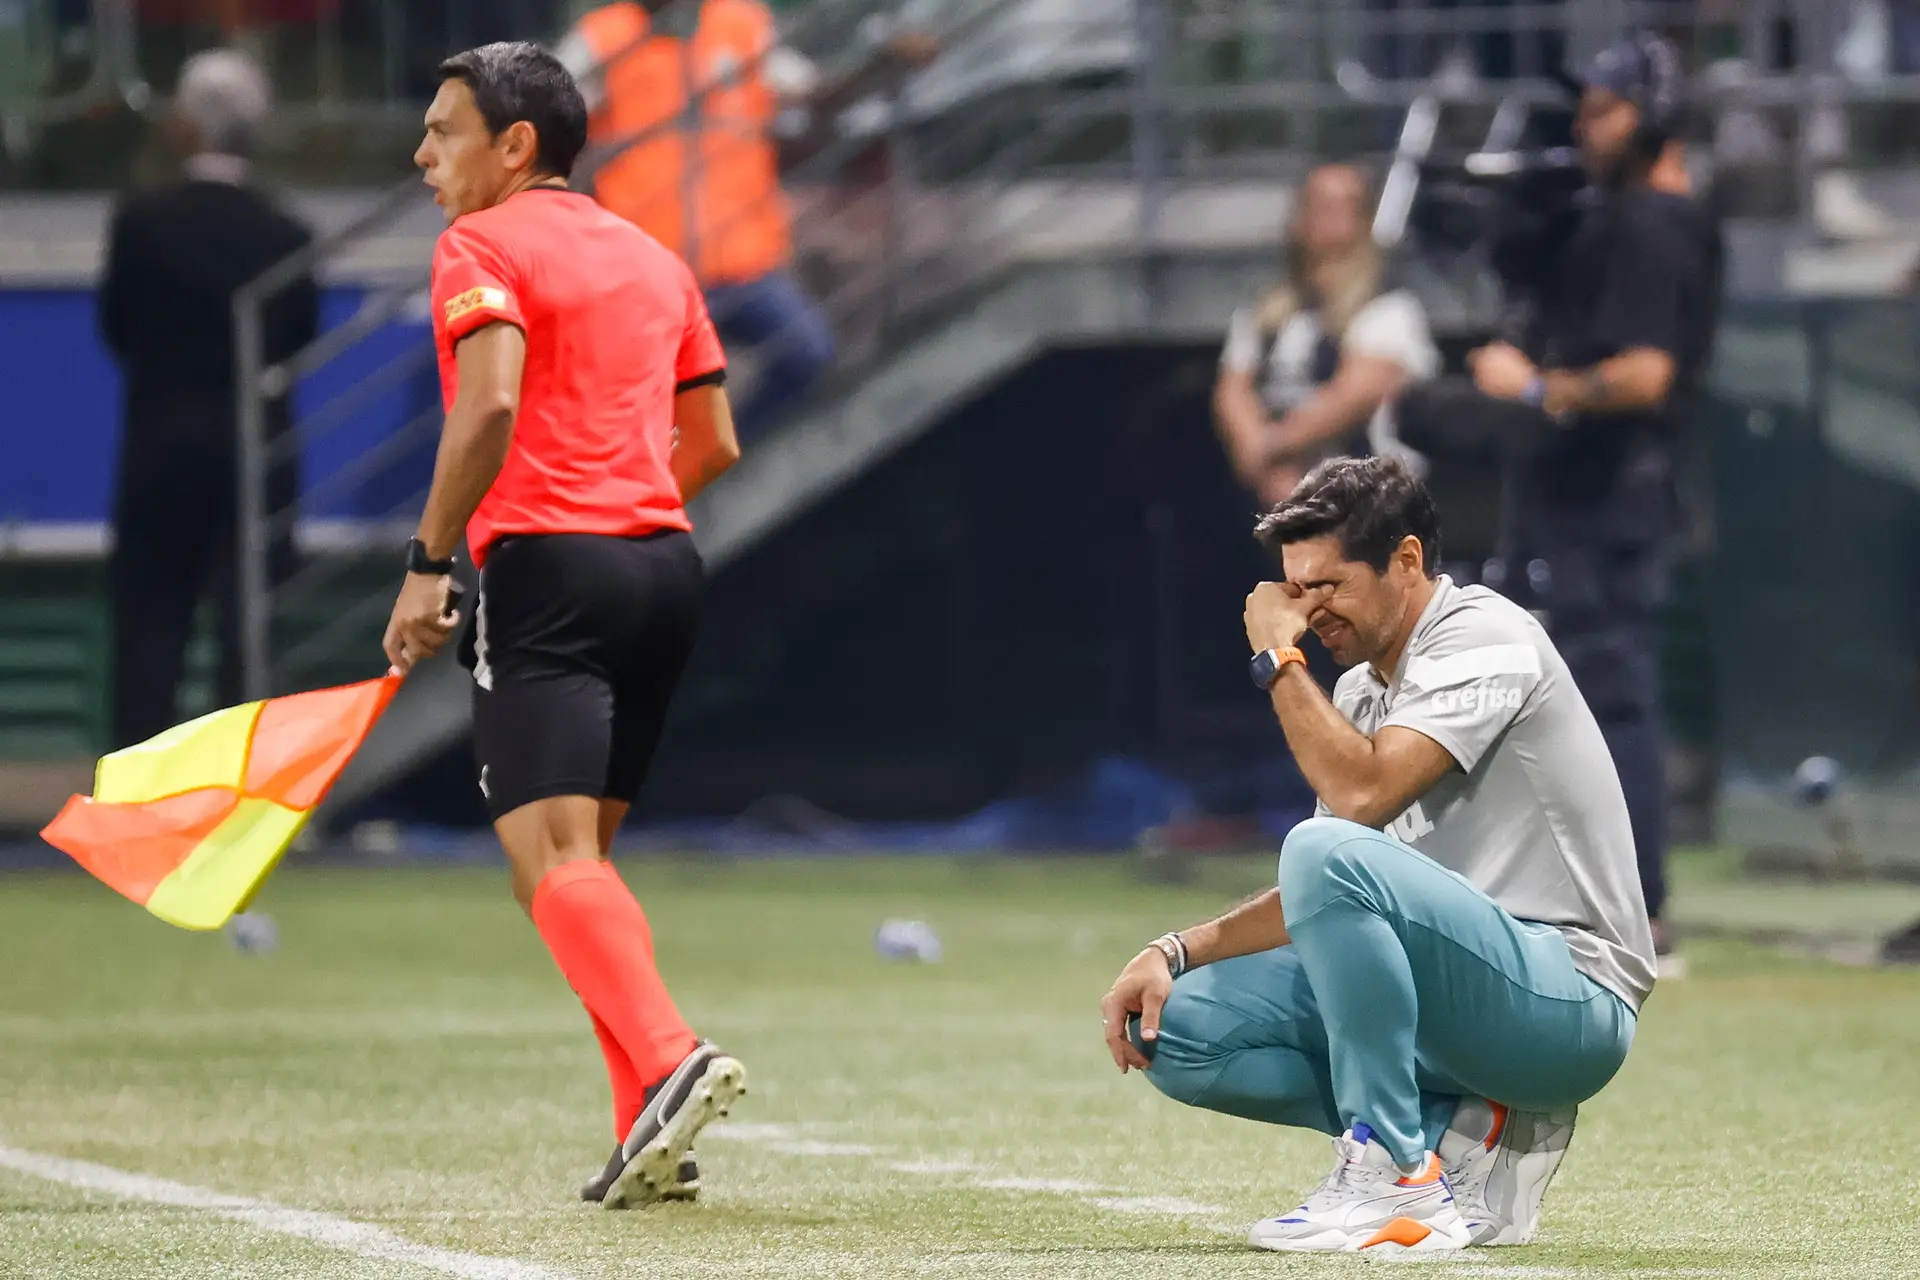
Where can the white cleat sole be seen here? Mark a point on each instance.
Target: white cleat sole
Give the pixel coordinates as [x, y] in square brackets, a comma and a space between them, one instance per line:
[655, 1168]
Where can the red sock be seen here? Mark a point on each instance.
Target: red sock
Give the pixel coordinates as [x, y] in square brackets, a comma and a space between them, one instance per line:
[599, 937]
[629, 1095]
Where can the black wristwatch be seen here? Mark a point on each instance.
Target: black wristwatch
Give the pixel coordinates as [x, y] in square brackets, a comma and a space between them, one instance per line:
[418, 561]
[1267, 665]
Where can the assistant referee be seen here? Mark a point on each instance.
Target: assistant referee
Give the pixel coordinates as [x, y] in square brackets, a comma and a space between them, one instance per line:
[585, 408]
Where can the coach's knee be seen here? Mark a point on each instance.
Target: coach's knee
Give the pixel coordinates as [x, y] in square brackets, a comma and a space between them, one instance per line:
[1319, 860]
[1185, 1061]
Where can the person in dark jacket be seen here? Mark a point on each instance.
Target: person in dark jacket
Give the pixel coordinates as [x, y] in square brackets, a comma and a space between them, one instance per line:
[175, 257]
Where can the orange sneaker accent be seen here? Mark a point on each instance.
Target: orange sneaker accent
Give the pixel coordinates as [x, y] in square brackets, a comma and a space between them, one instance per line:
[1404, 1232]
[1499, 1124]
[1429, 1173]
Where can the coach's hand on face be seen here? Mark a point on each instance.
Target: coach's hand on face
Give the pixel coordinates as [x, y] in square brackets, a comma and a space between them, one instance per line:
[1278, 613]
[421, 619]
[1142, 988]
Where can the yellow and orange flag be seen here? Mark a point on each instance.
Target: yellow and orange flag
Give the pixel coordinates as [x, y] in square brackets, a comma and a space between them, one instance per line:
[190, 823]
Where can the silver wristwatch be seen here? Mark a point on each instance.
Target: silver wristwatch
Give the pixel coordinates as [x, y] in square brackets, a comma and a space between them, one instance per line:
[1170, 946]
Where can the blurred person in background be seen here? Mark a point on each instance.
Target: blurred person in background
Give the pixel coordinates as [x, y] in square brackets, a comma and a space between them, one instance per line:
[684, 96]
[175, 257]
[1611, 370]
[1310, 370]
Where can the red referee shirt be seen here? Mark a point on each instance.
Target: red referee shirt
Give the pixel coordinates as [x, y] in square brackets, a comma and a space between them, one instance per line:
[615, 327]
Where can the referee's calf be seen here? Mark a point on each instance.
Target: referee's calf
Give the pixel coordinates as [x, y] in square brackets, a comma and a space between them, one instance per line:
[584, 410]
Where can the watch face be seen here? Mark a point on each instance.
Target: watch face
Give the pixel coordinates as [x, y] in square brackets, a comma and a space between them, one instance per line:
[1263, 668]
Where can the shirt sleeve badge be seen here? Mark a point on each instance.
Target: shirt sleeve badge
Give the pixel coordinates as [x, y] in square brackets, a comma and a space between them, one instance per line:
[475, 300]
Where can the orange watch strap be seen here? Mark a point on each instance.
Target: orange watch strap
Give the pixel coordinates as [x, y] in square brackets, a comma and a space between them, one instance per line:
[1292, 653]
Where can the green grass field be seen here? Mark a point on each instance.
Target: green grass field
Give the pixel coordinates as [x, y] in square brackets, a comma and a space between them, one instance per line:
[409, 1059]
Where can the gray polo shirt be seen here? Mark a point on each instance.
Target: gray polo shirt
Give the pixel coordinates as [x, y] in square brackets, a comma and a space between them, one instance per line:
[1534, 816]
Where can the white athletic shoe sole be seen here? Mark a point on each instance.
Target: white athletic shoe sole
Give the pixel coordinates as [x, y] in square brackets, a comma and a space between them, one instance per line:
[1400, 1238]
[1406, 1239]
[655, 1169]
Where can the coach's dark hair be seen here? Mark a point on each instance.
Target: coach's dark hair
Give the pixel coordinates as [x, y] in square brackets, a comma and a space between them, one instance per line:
[1369, 503]
[515, 80]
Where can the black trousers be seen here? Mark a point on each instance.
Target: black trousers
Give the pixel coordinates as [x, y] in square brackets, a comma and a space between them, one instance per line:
[174, 519]
[1596, 568]
[1603, 603]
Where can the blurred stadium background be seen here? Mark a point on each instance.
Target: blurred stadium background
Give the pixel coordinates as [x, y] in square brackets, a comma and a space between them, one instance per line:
[977, 590]
[997, 545]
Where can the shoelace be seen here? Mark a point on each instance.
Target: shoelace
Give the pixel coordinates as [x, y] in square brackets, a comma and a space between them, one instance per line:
[1346, 1156]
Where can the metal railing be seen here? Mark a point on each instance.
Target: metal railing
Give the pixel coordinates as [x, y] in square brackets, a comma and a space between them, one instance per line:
[367, 62]
[258, 385]
[1160, 112]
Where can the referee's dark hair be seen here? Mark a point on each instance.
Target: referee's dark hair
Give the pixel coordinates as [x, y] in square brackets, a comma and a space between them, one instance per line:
[1370, 503]
[514, 80]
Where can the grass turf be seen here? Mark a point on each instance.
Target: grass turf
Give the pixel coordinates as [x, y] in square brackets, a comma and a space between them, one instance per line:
[409, 1058]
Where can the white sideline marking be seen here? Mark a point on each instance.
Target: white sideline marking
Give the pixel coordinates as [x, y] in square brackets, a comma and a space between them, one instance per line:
[1069, 1186]
[263, 1215]
[782, 1138]
[787, 1139]
[752, 1132]
[931, 1166]
[808, 1147]
[1172, 1206]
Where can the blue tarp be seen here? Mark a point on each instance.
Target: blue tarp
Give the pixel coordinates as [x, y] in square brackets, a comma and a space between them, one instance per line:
[63, 391]
[1106, 809]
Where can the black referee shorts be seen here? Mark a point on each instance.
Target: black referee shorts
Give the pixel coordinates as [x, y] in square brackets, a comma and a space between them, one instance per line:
[577, 643]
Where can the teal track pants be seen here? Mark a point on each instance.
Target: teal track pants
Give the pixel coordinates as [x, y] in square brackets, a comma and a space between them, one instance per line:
[1404, 988]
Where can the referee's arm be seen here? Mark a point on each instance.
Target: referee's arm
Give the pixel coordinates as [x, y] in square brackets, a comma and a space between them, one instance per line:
[705, 443]
[473, 448]
[473, 444]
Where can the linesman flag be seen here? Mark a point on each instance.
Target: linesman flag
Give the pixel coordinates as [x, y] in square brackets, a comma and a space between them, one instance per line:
[188, 824]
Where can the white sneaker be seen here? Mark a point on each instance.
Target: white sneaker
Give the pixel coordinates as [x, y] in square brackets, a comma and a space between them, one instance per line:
[1367, 1205]
[1498, 1162]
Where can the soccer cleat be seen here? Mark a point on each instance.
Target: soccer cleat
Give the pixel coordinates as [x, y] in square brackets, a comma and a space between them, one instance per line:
[698, 1092]
[1499, 1161]
[686, 1184]
[1366, 1205]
